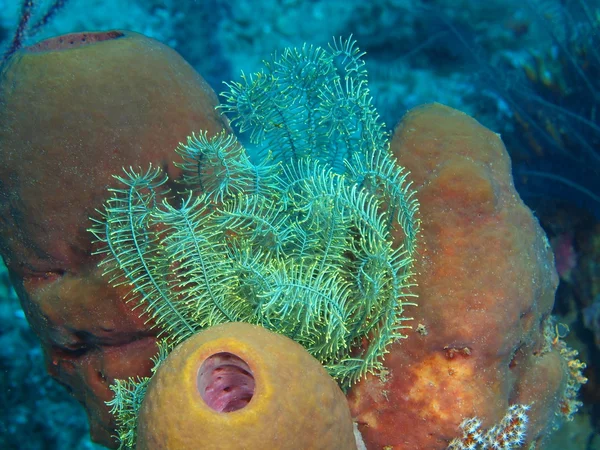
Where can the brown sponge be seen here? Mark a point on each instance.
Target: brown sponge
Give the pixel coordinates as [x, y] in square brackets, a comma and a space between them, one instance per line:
[74, 110]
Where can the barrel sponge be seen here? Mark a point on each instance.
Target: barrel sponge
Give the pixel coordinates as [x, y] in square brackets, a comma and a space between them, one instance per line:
[482, 341]
[74, 110]
[238, 385]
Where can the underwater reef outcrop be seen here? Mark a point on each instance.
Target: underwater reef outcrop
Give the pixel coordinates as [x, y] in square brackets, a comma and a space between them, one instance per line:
[74, 110]
[482, 337]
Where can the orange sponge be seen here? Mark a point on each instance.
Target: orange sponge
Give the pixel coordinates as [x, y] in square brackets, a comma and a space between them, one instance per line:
[482, 344]
[238, 385]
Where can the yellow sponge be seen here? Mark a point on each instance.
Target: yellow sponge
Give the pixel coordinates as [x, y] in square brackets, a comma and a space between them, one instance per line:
[239, 386]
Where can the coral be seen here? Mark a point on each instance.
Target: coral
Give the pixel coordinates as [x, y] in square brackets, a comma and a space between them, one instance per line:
[74, 110]
[508, 434]
[486, 284]
[242, 386]
[568, 403]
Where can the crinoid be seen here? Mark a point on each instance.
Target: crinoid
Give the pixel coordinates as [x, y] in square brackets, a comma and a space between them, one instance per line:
[312, 235]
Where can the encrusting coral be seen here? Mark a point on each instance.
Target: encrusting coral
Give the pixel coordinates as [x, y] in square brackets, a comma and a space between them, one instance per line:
[238, 385]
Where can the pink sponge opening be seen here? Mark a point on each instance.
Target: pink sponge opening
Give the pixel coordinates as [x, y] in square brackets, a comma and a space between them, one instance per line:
[225, 382]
